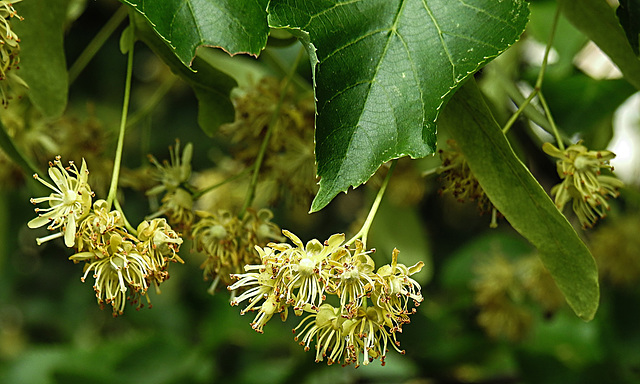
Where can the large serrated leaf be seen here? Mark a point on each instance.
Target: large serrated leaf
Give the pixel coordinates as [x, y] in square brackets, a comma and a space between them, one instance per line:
[519, 197]
[237, 26]
[42, 61]
[383, 70]
[597, 20]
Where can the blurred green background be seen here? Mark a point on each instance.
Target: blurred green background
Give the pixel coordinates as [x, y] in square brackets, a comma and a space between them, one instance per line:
[52, 331]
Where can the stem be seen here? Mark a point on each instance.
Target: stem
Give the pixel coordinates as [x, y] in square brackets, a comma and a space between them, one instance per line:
[556, 132]
[198, 194]
[267, 137]
[543, 68]
[364, 231]
[123, 124]
[98, 41]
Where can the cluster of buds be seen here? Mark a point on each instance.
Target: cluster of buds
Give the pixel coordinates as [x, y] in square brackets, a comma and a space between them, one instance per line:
[228, 241]
[9, 51]
[582, 181]
[123, 264]
[460, 182]
[177, 203]
[369, 310]
[289, 163]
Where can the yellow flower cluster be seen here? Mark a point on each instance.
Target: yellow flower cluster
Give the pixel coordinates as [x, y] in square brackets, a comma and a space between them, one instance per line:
[177, 203]
[9, 51]
[372, 307]
[582, 181]
[289, 164]
[123, 265]
[460, 182]
[228, 241]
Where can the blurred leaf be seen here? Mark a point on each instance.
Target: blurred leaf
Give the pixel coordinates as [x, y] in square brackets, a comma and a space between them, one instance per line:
[401, 227]
[580, 104]
[211, 86]
[597, 21]
[237, 26]
[629, 15]
[42, 58]
[11, 151]
[519, 197]
[382, 70]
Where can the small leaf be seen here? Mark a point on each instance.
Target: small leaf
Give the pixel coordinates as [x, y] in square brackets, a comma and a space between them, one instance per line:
[211, 86]
[383, 70]
[629, 15]
[126, 40]
[597, 21]
[42, 61]
[237, 26]
[518, 196]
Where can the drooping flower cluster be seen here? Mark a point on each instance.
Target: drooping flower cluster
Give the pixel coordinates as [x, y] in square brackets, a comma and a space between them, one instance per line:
[124, 265]
[228, 241]
[370, 307]
[506, 291]
[582, 181]
[9, 51]
[460, 182]
[289, 164]
[177, 203]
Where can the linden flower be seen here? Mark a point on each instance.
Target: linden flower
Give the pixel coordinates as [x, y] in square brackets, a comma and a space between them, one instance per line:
[68, 204]
[287, 276]
[160, 244]
[462, 183]
[351, 277]
[95, 230]
[394, 288]
[120, 273]
[303, 269]
[338, 338]
[172, 174]
[582, 181]
[9, 51]
[229, 242]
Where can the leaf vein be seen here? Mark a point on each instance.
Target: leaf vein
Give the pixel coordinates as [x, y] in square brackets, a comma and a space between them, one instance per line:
[444, 45]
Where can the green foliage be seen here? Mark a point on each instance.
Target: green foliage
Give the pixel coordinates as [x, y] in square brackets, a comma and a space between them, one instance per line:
[383, 70]
[388, 79]
[519, 197]
[598, 22]
[43, 64]
[211, 86]
[235, 26]
[629, 15]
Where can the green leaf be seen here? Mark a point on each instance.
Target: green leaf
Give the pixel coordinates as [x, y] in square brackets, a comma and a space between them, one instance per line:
[518, 196]
[597, 20]
[629, 15]
[237, 26]
[211, 86]
[384, 68]
[42, 61]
